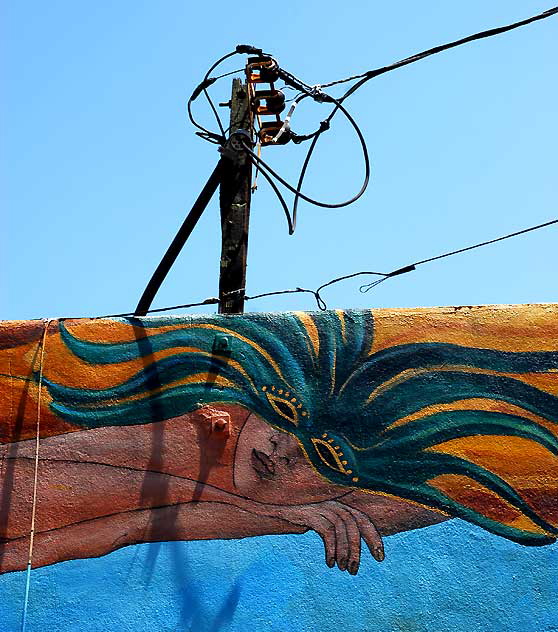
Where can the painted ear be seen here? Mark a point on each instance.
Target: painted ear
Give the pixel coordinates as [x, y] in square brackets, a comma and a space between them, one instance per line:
[337, 455]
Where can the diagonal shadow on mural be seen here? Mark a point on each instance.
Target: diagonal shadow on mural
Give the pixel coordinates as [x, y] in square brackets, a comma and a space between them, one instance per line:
[354, 424]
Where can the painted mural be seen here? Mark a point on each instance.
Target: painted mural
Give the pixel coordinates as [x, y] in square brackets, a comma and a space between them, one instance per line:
[355, 425]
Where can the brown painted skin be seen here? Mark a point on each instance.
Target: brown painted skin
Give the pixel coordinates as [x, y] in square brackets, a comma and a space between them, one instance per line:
[183, 479]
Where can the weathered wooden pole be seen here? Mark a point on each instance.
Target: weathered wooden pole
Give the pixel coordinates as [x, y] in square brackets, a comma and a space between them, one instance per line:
[235, 193]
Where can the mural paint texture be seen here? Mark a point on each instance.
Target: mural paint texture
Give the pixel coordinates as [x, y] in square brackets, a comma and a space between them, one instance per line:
[352, 424]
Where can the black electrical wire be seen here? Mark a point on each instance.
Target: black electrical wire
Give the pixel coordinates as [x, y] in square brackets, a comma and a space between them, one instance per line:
[213, 79]
[263, 165]
[278, 194]
[371, 74]
[363, 288]
[412, 266]
[202, 87]
[237, 71]
[299, 85]
[486, 243]
[317, 93]
[215, 113]
[208, 81]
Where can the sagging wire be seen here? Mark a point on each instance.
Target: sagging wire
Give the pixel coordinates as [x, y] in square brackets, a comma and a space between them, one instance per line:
[321, 304]
[260, 164]
[264, 165]
[317, 94]
[207, 81]
[370, 74]
[281, 199]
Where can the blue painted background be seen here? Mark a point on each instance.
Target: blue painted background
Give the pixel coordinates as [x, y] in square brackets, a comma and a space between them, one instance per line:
[447, 578]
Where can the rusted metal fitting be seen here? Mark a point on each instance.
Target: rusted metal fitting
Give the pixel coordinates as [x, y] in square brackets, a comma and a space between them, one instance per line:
[262, 70]
[217, 423]
[273, 102]
[269, 131]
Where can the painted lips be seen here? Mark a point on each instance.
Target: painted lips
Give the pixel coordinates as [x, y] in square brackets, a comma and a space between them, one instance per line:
[263, 464]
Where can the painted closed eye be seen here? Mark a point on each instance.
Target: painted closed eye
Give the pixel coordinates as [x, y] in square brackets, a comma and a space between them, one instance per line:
[284, 404]
[284, 407]
[333, 454]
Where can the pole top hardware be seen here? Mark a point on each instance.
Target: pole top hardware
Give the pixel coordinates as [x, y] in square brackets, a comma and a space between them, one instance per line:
[273, 101]
[262, 69]
[270, 129]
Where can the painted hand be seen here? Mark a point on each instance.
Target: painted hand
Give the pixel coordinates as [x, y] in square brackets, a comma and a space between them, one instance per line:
[341, 528]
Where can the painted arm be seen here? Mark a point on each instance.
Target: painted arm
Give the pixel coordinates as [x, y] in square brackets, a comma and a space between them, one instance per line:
[103, 489]
[90, 509]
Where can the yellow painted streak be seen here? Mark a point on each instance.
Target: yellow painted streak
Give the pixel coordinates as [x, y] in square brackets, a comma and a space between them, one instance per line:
[333, 367]
[259, 349]
[341, 316]
[456, 487]
[105, 330]
[73, 372]
[311, 330]
[66, 368]
[499, 327]
[340, 465]
[409, 373]
[199, 378]
[523, 463]
[400, 498]
[73, 377]
[476, 403]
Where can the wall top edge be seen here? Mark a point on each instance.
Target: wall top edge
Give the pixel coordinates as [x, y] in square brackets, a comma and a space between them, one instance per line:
[380, 311]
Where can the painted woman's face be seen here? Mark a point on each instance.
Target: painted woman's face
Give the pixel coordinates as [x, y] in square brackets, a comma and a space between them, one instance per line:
[270, 466]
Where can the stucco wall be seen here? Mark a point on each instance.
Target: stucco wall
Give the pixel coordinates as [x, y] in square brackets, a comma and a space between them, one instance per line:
[364, 470]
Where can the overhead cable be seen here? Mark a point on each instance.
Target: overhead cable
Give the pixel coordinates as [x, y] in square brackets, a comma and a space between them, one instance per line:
[370, 74]
[321, 304]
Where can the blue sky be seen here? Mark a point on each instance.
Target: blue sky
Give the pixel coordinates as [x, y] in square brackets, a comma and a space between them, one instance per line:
[100, 165]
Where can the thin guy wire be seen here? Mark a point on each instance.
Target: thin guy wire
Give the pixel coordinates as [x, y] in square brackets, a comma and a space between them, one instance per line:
[364, 288]
[366, 76]
[455, 252]
[35, 477]
[228, 74]
[486, 243]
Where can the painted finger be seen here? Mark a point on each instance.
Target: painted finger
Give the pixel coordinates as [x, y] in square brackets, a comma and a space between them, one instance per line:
[353, 539]
[326, 530]
[342, 552]
[369, 534]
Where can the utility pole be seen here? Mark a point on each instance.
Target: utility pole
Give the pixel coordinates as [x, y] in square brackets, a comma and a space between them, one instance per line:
[235, 194]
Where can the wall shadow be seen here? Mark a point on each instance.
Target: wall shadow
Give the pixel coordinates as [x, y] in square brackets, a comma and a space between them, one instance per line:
[12, 450]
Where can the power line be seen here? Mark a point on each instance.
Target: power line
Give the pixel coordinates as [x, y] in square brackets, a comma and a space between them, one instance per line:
[412, 266]
[317, 93]
[366, 76]
[363, 288]
[370, 74]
